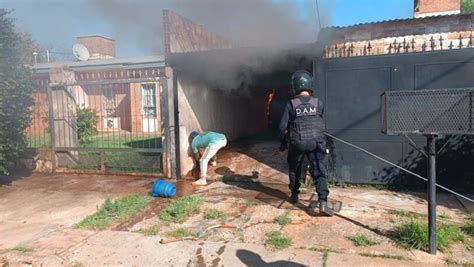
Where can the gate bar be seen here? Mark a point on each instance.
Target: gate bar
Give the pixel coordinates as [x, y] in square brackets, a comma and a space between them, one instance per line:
[431, 142]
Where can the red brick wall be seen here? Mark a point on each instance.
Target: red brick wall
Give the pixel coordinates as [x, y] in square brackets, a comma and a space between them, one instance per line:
[432, 7]
[183, 35]
[96, 101]
[97, 44]
[135, 104]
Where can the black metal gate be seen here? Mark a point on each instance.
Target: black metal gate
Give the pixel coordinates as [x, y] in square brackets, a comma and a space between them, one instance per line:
[351, 89]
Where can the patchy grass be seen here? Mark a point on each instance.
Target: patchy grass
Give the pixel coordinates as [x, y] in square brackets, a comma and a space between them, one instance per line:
[468, 228]
[212, 214]
[180, 232]
[283, 219]
[276, 240]
[150, 231]
[250, 203]
[414, 235]
[361, 240]
[321, 249]
[451, 261]
[19, 248]
[308, 184]
[114, 211]
[325, 258]
[384, 255]
[444, 216]
[408, 214]
[180, 209]
[239, 233]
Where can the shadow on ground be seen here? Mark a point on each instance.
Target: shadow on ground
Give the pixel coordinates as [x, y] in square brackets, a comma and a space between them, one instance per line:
[252, 259]
[13, 176]
[278, 198]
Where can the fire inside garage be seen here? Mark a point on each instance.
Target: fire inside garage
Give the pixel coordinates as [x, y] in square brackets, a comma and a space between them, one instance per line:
[238, 92]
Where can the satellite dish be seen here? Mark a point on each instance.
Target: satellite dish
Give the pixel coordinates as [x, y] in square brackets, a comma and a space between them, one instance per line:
[80, 52]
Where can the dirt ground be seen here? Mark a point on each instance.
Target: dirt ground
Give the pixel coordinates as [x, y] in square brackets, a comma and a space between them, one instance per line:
[39, 212]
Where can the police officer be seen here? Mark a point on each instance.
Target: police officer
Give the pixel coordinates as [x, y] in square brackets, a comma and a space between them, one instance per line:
[302, 127]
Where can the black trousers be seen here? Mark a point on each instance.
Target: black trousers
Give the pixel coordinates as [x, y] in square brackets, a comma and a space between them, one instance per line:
[315, 151]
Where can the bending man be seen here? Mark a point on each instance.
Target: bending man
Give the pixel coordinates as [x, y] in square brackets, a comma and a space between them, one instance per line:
[209, 143]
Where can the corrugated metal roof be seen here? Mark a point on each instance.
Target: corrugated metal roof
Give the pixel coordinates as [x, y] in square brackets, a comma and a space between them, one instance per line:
[398, 20]
[113, 63]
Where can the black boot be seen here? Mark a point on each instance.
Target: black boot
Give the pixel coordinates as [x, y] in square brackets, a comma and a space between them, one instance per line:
[294, 197]
[324, 209]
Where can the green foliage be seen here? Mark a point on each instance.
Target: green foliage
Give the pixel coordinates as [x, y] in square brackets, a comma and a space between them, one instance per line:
[180, 232]
[444, 216]
[250, 203]
[16, 86]
[414, 235]
[150, 231]
[19, 248]
[283, 219]
[114, 211]
[86, 124]
[180, 209]
[408, 214]
[469, 226]
[276, 240]
[362, 240]
[467, 6]
[212, 214]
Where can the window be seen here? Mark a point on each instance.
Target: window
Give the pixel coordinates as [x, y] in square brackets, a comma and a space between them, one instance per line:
[149, 100]
[110, 105]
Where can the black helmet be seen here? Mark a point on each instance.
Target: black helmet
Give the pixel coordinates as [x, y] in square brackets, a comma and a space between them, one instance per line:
[302, 80]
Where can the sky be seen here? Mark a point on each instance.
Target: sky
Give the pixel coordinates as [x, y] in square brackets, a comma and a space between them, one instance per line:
[54, 24]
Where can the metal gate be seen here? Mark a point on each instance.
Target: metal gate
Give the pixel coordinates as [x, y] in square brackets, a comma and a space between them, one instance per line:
[351, 89]
[102, 126]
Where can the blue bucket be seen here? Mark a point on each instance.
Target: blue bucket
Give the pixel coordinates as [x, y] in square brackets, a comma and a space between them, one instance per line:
[162, 188]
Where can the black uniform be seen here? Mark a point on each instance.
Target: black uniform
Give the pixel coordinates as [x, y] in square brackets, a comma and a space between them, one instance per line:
[304, 124]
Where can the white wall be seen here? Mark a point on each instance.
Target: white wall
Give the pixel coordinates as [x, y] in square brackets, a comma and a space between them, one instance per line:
[236, 113]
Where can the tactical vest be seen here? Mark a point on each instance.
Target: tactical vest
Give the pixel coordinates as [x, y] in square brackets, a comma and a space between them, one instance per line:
[307, 123]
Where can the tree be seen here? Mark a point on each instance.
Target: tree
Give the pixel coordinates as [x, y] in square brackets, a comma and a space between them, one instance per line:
[16, 87]
[467, 6]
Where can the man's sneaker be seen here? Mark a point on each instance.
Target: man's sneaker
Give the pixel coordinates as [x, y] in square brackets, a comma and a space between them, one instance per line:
[201, 181]
[324, 209]
[294, 198]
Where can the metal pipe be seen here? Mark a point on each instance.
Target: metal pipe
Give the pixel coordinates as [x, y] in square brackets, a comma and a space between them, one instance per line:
[431, 143]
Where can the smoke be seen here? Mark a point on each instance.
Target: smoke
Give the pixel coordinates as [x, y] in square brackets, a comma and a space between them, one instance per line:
[243, 22]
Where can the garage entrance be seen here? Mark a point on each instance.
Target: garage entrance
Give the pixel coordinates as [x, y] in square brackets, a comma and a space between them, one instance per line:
[238, 92]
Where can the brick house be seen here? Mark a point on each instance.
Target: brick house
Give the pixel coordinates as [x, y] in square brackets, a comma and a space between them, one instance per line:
[124, 93]
[437, 25]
